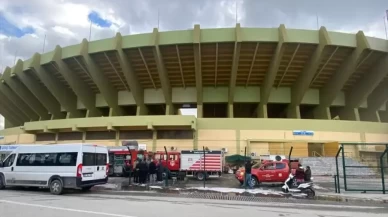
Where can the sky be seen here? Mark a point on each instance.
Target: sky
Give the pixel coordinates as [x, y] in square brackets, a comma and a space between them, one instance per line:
[24, 24]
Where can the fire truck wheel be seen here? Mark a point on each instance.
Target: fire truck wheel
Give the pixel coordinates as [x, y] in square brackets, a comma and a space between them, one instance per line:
[200, 176]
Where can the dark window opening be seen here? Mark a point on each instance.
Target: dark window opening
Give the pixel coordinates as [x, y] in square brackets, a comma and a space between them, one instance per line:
[62, 136]
[45, 137]
[277, 110]
[307, 111]
[335, 111]
[245, 110]
[175, 134]
[83, 112]
[105, 111]
[159, 109]
[215, 110]
[136, 134]
[100, 135]
[129, 110]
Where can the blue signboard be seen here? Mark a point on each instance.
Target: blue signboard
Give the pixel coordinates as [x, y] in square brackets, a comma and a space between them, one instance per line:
[8, 147]
[303, 133]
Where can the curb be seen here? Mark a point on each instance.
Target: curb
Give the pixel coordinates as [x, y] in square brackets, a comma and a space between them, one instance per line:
[209, 194]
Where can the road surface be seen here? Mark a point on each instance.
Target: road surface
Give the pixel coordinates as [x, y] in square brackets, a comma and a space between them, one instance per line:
[43, 204]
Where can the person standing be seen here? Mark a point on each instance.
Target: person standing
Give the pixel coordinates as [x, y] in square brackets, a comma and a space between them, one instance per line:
[307, 174]
[152, 171]
[248, 174]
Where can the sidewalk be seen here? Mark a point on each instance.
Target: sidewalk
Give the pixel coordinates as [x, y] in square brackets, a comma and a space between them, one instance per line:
[355, 196]
[120, 186]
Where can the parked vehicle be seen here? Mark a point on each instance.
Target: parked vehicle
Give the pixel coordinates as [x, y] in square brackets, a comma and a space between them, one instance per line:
[193, 163]
[267, 171]
[292, 186]
[58, 167]
[120, 156]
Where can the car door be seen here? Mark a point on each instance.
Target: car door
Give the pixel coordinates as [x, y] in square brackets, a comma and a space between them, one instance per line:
[267, 172]
[281, 172]
[8, 170]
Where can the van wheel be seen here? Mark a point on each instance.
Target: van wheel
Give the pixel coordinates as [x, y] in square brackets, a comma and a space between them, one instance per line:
[56, 187]
[2, 182]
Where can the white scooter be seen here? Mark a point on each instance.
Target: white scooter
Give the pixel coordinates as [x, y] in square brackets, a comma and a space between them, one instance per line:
[303, 188]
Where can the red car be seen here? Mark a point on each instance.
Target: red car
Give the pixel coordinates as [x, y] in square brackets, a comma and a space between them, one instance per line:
[266, 172]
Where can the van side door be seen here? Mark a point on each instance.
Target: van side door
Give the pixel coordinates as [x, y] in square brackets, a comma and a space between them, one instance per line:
[8, 170]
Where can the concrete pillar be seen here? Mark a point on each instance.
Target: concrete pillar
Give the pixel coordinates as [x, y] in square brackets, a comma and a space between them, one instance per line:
[322, 113]
[230, 110]
[293, 112]
[262, 111]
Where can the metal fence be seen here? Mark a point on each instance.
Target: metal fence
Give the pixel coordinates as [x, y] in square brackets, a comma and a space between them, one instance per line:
[362, 167]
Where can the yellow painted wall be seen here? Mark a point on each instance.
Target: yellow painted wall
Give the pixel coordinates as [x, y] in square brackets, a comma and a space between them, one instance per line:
[300, 149]
[330, 149]
[276, 148]
[260, 148]
[218, 139]
[179, 144]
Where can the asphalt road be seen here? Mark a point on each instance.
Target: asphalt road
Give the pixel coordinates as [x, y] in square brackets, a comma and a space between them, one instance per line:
[43, 204]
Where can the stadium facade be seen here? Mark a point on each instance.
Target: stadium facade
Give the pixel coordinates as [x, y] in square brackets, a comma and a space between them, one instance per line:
[262, 88]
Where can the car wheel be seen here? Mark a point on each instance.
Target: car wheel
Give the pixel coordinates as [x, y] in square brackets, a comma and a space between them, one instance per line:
[254, 181]
[56, 187]
[87, 188]
[2, 182]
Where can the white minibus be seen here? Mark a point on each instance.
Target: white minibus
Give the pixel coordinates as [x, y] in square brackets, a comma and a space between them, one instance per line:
[58, 167]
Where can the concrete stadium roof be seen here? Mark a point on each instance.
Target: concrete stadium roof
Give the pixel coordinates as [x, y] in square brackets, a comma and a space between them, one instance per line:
[76, 81]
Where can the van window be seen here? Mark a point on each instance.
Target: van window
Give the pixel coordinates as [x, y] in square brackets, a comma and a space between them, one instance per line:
[9, 161]
[47, 159]
[89, 159]
[101, 159]
[94, 159]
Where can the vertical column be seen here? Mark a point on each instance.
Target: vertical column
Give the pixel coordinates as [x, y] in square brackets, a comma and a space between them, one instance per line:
[237, 141]
[154, 140]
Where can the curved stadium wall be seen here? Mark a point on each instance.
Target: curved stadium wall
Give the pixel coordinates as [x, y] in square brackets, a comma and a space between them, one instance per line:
[259, 88]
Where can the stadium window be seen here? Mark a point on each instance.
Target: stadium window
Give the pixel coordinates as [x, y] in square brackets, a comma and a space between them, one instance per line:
[175, 134]
[135, 134]
[63, 136]
[100, 135]
[45, 137]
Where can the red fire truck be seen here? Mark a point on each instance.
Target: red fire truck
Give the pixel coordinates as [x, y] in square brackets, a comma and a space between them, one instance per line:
[192, 163]
[121, 156]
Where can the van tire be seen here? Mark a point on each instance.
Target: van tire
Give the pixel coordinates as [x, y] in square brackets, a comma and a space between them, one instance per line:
[2, 182]
[56, 187]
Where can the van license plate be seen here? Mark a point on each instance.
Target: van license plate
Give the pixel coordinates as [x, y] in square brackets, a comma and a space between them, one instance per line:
[88, 175]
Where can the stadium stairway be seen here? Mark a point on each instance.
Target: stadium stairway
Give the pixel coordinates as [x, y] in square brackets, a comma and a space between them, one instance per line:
[326, 166]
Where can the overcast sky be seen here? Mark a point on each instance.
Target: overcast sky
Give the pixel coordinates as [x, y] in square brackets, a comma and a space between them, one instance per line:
[24, 23]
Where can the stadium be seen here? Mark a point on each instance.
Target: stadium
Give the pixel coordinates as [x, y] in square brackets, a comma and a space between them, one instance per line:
[266, 89]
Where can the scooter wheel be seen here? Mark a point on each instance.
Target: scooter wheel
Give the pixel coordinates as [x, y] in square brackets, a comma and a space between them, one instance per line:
[310, 193]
